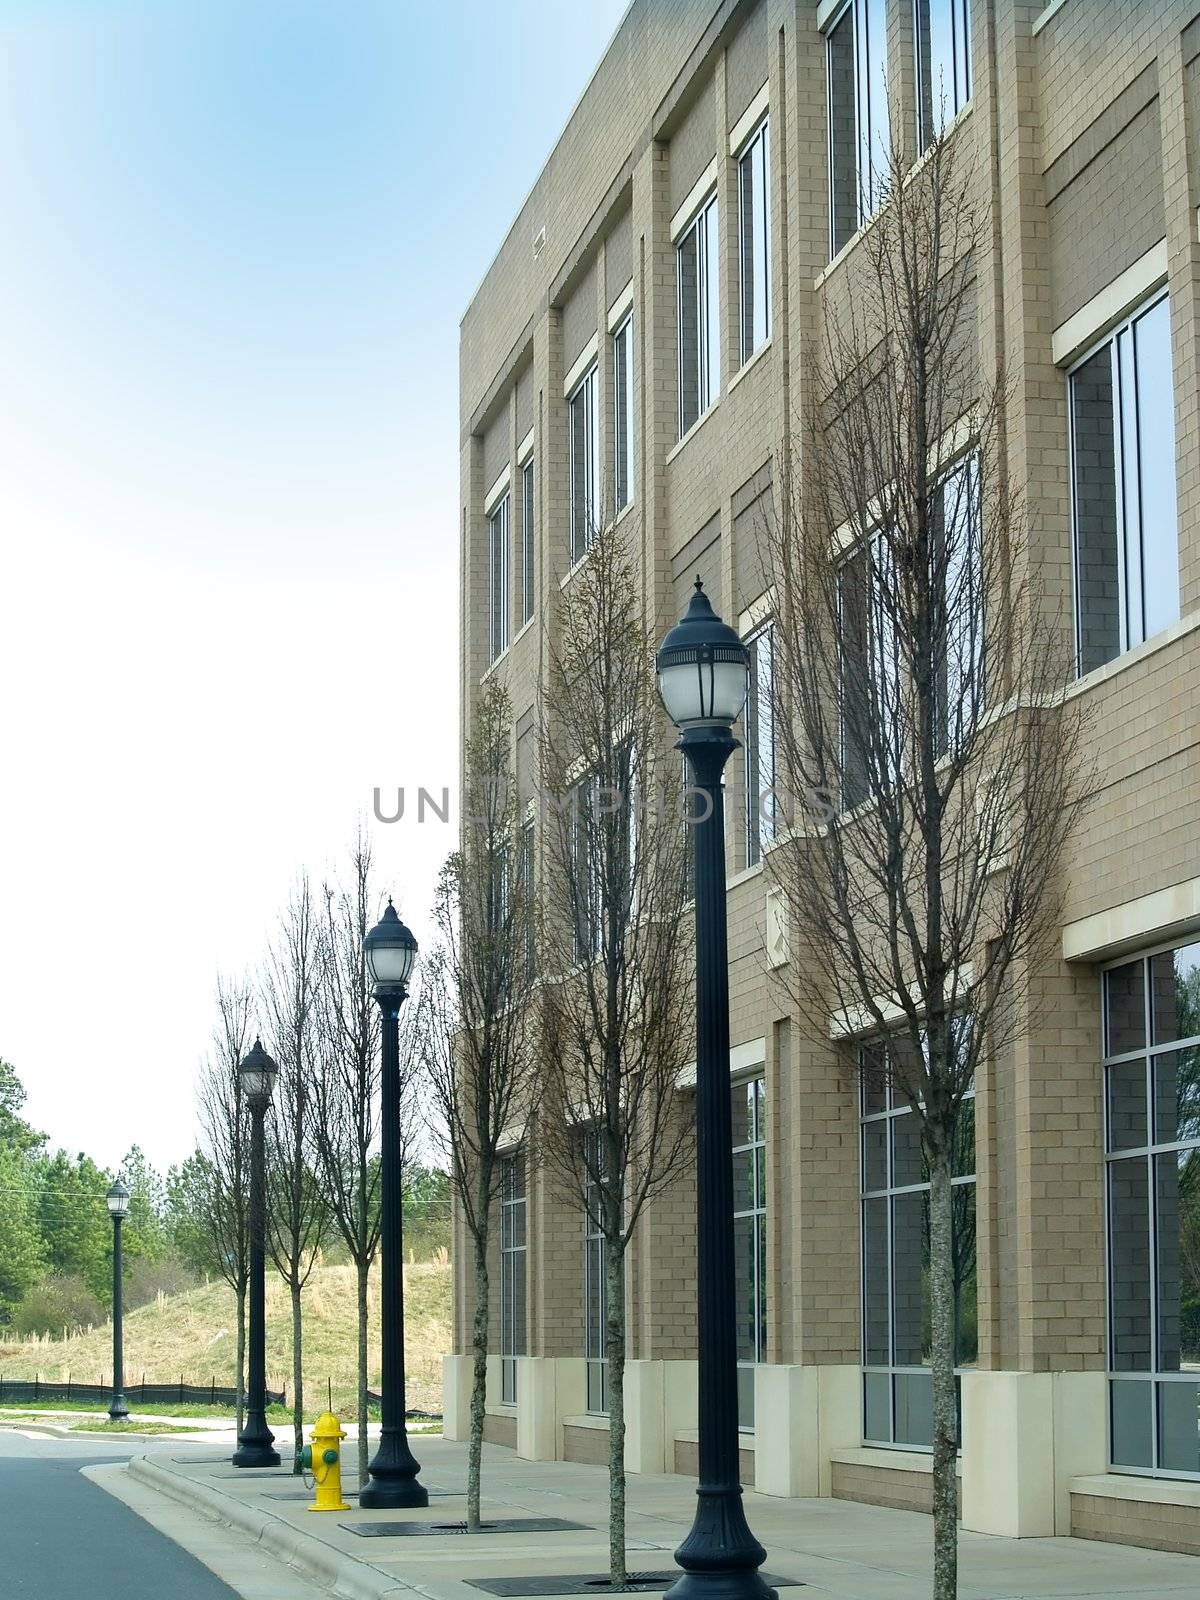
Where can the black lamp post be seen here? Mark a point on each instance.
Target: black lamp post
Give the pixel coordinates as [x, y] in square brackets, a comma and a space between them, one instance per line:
[391, 953]
[256, 1441]
[703, 678]
[118, 1205]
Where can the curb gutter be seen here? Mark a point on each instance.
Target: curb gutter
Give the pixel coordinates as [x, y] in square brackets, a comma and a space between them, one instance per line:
[344, 1576]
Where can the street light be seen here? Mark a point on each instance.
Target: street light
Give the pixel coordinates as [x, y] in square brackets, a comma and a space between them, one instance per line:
[391, 953]
[257, 1073]
[118, 1204]
[703, 678]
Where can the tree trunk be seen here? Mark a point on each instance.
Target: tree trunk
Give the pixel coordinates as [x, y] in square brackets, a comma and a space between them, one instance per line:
[241, 1356]
[297, 1377]
[363, 1452]
[942, 1356]
[614, 1350]
[479, 1353]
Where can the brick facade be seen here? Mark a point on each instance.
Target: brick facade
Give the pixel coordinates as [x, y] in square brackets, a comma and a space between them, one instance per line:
[1082, 134]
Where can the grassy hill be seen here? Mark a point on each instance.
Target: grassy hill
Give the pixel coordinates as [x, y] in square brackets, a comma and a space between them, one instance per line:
[193, 1335]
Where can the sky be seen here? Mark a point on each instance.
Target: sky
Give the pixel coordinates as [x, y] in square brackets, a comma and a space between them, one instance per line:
[238, 242]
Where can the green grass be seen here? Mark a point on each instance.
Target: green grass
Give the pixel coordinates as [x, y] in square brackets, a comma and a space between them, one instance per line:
[127, 1427]
[194, 1334]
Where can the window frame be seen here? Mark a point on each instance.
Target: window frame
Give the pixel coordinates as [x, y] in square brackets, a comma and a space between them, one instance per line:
[512, 1281]
[893, 1109]
[621, 346]
[1148, 1156]
[499, 577]
[595, 1286]
[708, 327]
[760, 827]
[759, 138]
[961, 64]
[757, 1212]
[528, 537]
[867, 202]
[1120, 420]
[585, 394]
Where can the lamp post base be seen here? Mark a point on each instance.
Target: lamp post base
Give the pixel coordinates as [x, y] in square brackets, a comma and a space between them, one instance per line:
[393, 1482]
[720, 1556]
[256, 1446]
[118, 1411]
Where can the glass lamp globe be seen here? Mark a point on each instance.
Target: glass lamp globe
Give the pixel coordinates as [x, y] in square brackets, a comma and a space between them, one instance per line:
[258, 1073]
[703, 668]
[391, 950]
[118, 1199]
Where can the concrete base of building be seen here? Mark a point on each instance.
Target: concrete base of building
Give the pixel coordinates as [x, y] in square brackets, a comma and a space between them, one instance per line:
[1026, 1435]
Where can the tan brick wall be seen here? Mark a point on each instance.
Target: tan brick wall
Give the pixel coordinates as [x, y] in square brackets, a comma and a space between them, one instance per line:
[1083, 142]
[1156, 1527]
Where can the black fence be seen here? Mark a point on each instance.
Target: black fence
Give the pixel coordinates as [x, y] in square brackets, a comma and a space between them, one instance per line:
[28, 1391]
[374, 1399]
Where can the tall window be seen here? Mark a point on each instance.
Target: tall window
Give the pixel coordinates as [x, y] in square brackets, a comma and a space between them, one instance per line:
[512, 1274]
[584, 425]
[586, 885]
[959, 676]
[1122, 405]
[855, 69]
[699, 317]
[942, 36]
[754, 240]
[498, 570]
[595, 1291]
[869, 666]
[622, 378]
[526, 863]
[1152, 1137]
[527, 536]
[760, 745]
[750, 1236]
[897, 1385]
[877, 622]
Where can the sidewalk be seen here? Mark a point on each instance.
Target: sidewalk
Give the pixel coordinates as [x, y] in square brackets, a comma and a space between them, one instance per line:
[835, 1548]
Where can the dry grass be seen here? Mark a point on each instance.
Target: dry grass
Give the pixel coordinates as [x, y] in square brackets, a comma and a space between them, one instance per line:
[193, 1335]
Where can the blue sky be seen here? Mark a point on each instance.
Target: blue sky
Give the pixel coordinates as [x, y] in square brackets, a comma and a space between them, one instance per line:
[239, 239]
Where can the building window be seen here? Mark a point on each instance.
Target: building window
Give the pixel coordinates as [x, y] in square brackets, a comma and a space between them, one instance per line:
[512, 1274]
[498, 570]
[527, 867]
[760, 745]
[870, 670]
[750, 1236]
[699, 317]
[584, 427]
[959, 676]
[897, 1385]
[942, 36]
[1152, 1141]
[859, 147]
[527, 536]
[754, 241]
[595, 1289]
[622, 378]
[586, 879]
[1122, 410]
[873, 719]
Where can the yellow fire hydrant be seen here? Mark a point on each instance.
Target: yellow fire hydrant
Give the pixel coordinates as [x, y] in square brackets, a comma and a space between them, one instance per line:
[323, 1459]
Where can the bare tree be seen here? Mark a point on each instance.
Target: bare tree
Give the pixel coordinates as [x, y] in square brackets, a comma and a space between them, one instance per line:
[920, 674]
[615, 1019]
[296, 1211]
[224, 1209]
[476, 1038]
[348, 1086]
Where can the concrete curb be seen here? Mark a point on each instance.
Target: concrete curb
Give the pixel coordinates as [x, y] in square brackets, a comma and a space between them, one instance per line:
[341, 1574]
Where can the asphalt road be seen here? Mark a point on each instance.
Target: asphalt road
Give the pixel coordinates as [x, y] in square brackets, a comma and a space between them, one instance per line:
[61, 1536]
